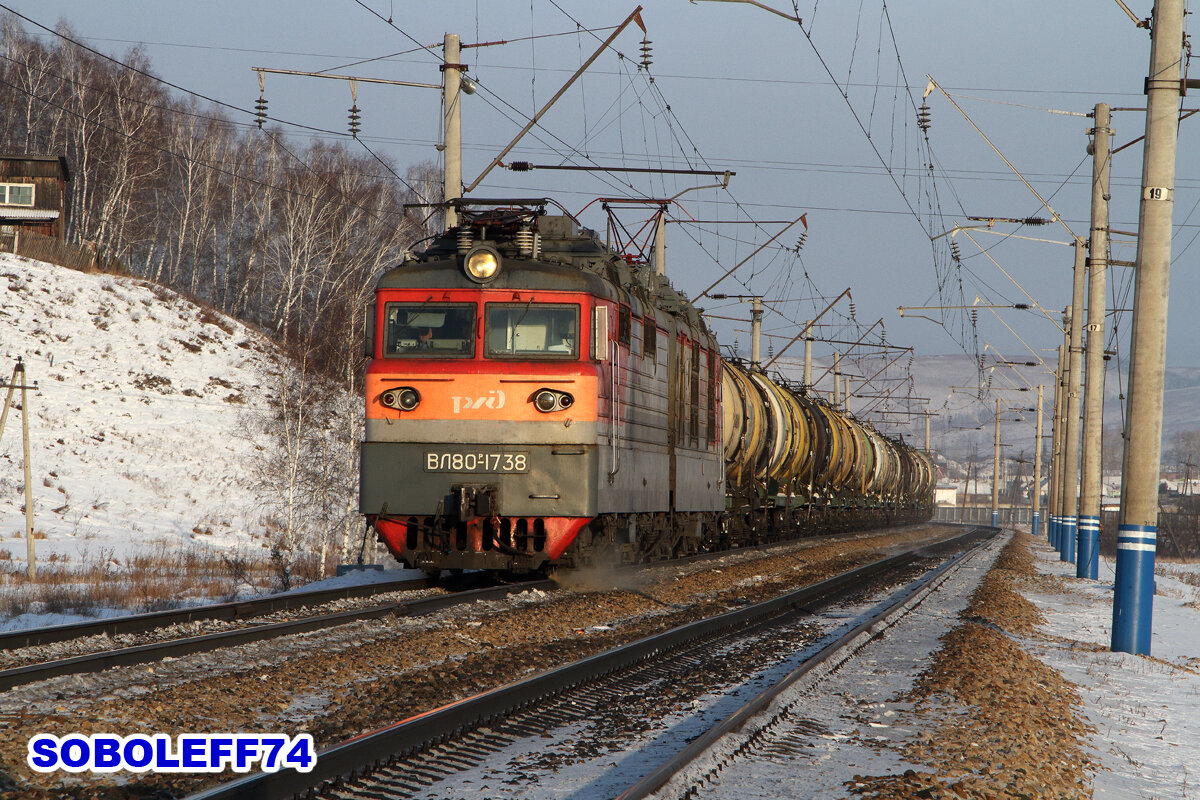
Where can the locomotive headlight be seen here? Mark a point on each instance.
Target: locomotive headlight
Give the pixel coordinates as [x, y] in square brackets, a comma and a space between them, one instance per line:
[405, 398]
[482, 264]
[547, 400]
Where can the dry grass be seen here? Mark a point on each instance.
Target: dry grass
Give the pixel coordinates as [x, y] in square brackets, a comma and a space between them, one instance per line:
[157, 579]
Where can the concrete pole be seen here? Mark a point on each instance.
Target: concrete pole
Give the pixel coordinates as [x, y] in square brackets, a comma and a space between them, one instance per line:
[1036, 517]
[1133, 598]
[756, 315]
[996, 472]
[28, 473]
[846, 393]
[1064, 384]
[926, 431]
[1074, 371]
[660, 247]
[1054, 493]
[837, 380]
[452, 124]
[808, 361]
[1090, 489]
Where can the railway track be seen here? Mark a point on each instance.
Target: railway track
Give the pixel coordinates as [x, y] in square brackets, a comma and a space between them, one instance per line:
[404, 759]
[238, 610]
[175, 647]
[235, 623]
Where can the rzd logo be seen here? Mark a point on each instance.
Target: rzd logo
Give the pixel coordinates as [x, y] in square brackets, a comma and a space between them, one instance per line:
[493, 399]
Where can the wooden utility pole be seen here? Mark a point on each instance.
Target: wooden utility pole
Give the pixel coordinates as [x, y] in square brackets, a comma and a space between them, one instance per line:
[1090, 487]
[18, 382]
[1133, 598]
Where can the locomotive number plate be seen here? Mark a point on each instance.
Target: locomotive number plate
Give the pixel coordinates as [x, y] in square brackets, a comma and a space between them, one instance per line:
[476, 462]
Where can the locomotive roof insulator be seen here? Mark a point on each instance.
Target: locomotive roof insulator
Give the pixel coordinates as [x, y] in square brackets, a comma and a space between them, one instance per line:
[465, 240]
[524, 240]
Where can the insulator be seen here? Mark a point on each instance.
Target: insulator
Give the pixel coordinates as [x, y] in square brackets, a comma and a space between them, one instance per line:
[260, 110]
[354, 126]
[524, 240]
[800, 242]
[954, 252]
[465, 240]
[520, 166]
[852, 309]
[923, 117]
[646, 49]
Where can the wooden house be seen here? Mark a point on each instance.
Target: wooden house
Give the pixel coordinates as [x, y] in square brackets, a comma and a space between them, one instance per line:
[33, 197]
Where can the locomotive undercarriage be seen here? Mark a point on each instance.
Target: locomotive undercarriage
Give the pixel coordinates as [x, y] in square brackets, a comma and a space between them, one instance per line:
[520, 544]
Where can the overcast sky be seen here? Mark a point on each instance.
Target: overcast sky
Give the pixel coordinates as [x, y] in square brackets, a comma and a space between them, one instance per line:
[735, 87]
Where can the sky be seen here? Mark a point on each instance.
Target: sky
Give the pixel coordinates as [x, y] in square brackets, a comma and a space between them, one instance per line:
[818, 120]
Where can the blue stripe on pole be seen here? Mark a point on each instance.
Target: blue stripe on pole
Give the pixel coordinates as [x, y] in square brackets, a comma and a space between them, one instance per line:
[1036, 524]
[1068, 539]
[1088, 565]
[1133, 592]
[995, 519]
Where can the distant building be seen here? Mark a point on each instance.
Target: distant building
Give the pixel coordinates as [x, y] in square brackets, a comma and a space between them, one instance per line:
[33, 197]
[945, 495]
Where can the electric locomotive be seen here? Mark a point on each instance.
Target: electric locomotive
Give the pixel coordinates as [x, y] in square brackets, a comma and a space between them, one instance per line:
[534, 400]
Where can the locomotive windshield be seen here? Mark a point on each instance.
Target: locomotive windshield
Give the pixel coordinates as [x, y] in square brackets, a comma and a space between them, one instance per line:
[441, 330]
[532, 329]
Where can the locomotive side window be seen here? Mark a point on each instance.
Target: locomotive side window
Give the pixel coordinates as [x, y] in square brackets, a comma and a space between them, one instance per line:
[538, 330]
[649, 337]
[624, 325]
[437, 330]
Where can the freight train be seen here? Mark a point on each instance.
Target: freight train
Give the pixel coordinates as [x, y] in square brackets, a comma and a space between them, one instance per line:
[535, 401]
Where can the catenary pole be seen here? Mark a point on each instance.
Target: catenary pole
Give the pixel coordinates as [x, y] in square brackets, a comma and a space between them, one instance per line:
[1074, 370]
[1035, 516]
[1133, 596]
[1056, 452]
[452, 121]
[1090, 489]
[996, 471]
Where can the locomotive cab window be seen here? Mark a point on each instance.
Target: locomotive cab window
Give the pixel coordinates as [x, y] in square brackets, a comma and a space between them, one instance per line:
[538, 330]
[438, 330]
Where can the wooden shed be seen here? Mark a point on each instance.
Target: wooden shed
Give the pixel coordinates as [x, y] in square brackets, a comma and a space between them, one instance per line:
[33, 196]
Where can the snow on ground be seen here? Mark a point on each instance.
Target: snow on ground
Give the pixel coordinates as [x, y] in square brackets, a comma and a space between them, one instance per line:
[1146, 709]
[137, 422]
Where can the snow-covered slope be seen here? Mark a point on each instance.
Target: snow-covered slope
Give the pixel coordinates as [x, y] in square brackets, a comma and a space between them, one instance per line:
[137, 424]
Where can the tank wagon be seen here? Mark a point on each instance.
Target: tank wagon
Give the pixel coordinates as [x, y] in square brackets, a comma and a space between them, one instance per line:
[534, 400]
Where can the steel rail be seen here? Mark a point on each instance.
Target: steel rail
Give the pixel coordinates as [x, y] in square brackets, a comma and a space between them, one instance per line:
[96, 662]
[828, 658]
[236, 610]
[411, 735]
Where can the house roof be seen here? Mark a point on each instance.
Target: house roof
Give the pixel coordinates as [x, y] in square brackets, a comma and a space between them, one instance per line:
[62, 161]
[40, 214]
